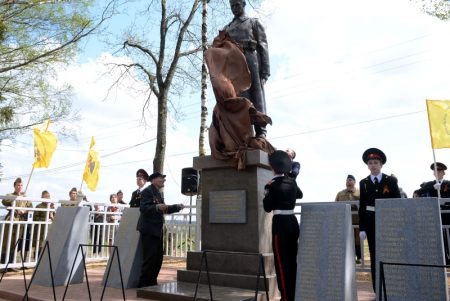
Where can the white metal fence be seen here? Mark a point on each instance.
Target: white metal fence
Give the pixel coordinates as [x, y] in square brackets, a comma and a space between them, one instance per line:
[180, 231]
[23, 230]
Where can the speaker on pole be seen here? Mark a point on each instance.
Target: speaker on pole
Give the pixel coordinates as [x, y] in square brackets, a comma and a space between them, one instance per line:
[189, 181]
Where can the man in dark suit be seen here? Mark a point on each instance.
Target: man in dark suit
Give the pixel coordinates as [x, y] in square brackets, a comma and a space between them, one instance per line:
[431, 188]
[376, 186]
[142, 179]
[280, 195]
[150, 224]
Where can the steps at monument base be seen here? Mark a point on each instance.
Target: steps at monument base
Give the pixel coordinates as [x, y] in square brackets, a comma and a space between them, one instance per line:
[183, 291]
[227, 279]
[239, 263]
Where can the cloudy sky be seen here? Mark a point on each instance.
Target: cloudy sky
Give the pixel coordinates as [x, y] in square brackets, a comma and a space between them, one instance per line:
[346, 76]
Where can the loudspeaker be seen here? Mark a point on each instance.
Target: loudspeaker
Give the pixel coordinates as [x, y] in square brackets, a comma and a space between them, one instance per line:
[189, 181]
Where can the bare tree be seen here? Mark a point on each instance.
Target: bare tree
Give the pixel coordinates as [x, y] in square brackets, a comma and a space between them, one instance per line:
[163, 63]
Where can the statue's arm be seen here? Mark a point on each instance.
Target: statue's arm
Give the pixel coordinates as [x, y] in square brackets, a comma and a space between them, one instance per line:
[262, 48]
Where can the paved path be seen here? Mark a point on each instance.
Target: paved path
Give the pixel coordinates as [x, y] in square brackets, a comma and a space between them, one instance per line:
[12, 286]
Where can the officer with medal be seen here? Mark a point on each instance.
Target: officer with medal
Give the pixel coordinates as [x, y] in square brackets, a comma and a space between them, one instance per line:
[150, 225]
[375, 186]
[280, 196]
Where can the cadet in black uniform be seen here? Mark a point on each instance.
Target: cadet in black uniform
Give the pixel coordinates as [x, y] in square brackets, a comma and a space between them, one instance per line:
[430, 189]
[376, 186]
[150, 225]
[280, 195]
[142, 179]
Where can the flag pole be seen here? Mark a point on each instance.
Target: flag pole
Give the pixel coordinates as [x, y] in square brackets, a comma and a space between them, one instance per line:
[435, 174]
[432, 147]
[32, 168]
[82, 177]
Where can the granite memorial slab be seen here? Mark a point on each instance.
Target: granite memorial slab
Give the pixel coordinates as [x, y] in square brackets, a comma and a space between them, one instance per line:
[68, 230]
[409, 231]
[130, 252]
[326, 254]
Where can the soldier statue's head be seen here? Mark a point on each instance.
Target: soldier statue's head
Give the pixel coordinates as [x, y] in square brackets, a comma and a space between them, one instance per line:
[237, 7]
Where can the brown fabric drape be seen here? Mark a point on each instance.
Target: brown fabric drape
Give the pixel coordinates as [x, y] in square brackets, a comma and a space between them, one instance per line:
[231, 133]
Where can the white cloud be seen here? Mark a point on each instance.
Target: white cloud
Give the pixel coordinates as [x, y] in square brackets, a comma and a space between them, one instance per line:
[116, 125]
[336, 67]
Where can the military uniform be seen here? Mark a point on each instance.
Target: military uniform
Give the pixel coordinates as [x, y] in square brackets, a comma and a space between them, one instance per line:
[250, 35]
[387, 188]
[150, 225]
[352, 195]
[281, 194]
[428, 190]
[40, 216]
[136, 198]
[17, 217]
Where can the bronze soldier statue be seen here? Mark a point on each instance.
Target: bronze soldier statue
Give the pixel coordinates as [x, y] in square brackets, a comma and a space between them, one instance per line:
[250, 35]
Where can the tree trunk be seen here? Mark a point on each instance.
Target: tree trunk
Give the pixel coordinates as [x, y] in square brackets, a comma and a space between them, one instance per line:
[161, 135]
[204, 85]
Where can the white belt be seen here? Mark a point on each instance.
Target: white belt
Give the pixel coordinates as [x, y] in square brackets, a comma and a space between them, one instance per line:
[370, 208]
[283, 212]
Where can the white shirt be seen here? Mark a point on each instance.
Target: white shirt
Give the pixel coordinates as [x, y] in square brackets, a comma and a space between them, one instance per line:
[379, 176]
[145, 186]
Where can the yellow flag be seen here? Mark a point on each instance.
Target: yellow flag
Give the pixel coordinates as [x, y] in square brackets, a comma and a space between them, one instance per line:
[439, 120]
[92, 170]
[44, 146]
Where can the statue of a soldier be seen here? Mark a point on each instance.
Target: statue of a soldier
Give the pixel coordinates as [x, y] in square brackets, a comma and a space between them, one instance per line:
[249, 34]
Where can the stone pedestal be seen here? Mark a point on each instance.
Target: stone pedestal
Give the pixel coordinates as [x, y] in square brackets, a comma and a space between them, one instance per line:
[68, 231]
[130, 251]
[233, 220]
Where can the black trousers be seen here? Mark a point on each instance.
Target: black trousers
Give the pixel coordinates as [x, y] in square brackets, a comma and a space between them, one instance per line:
[285, 255]
[370, 232]
[152, 258]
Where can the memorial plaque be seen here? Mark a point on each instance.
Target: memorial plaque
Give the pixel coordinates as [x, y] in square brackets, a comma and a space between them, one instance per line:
[227, 207]
[326, 254]
[409, 231]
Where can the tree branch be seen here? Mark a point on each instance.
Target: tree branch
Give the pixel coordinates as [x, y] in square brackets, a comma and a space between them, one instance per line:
[141, 48]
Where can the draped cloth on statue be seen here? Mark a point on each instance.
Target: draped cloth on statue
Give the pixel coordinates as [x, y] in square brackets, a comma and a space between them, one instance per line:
[231, 133]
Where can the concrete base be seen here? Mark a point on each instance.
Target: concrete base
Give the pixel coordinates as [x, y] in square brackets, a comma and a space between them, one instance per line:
[182, 291]
[227, 269]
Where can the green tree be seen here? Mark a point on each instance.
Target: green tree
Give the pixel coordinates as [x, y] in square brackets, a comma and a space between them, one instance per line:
[37, 39]
[437, 8]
